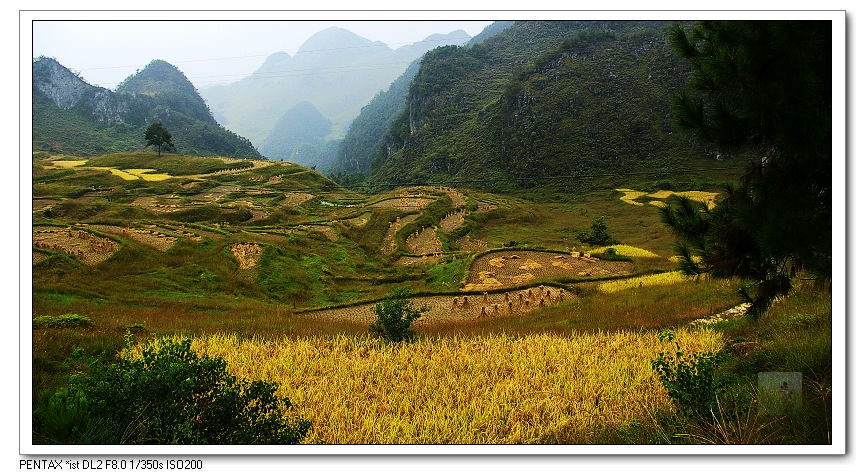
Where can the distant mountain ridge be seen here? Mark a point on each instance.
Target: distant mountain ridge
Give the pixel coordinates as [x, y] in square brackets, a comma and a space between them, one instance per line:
[72, 116]
[335, 70]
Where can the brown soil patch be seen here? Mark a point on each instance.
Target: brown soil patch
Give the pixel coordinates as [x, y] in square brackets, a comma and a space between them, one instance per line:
[88, 247]
[518, 268]
[484, 206]
[39, 257]
[149, 237]
[467, 244]
[452, 221]
[403, 203]
[296, 198]
[42, 204]
[424, 242]
[160, 205]
[274, 179]
[328, 231]
[388, 245]
[461, 308]
[414, 261]
[458, 199]
[217, 193]
[189, 185]
[359, 221]
[247, 254]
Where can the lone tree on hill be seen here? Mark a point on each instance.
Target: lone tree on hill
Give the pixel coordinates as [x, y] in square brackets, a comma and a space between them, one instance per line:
[158, 136]
[761, 89]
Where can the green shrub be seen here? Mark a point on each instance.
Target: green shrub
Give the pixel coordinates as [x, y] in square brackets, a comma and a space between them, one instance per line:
[168, 396]
[395, 315]
[69, 320]
[598, 234]
[692, 381]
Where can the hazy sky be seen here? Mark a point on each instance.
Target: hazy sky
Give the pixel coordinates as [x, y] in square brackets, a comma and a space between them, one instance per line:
[208, 52]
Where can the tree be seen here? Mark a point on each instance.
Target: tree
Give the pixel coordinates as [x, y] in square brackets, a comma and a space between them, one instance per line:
[170, 395]
[761, 89]
[158, 136]
[395, 315]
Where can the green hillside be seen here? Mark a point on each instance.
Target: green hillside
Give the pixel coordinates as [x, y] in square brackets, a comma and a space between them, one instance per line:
[583, 100]
[73, 117]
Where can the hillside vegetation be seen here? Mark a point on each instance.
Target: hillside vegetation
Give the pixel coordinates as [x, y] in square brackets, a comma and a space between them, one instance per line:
[589, 101]
[73, 117]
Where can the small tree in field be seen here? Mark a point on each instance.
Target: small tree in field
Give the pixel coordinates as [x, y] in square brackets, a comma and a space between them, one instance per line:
[395, 315]
[158, 136]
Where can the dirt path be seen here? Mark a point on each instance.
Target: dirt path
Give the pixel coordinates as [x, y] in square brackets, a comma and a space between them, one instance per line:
[461, 308]
[513, 268]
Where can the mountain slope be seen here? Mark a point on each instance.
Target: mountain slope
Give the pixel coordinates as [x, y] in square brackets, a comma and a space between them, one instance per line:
[299, 137]
[335, 70]
[71, 116]
[363, 138]
[541, 99]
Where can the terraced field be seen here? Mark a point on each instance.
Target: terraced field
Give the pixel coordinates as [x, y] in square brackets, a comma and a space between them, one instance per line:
[502, 269]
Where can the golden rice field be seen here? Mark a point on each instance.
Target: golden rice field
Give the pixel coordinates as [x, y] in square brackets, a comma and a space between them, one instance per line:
[472, 390]
[147, 174]
[629, 196]
[625, 250]
[68, 163]
[665, 278]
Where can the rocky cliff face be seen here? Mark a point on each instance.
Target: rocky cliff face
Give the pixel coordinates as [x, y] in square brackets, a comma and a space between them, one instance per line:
[71, 116]
[59, 84]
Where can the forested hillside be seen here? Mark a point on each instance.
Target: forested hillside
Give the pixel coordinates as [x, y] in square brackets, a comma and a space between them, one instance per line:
[541, 99]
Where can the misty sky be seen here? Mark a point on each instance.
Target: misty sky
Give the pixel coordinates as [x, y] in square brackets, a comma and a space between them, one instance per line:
[208, 52]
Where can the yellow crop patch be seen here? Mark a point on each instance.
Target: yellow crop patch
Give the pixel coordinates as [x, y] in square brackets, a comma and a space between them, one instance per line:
[625, 250]
[68, 163]
[665, 278]
[122, 174]
[478, 390]
[631, 195]
[147, 174]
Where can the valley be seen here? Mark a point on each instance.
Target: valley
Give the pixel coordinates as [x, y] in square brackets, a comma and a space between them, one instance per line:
[568, 261]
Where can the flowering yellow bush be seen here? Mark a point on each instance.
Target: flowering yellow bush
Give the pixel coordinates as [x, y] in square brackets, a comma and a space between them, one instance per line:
[462, 390]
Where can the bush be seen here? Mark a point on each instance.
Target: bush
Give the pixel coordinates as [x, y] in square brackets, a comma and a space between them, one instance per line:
[692, 381]
[168, 396]
[69, 320]
[395, 315]
[598, 234]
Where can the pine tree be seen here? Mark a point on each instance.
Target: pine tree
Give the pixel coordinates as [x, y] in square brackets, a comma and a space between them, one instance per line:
[762, 89]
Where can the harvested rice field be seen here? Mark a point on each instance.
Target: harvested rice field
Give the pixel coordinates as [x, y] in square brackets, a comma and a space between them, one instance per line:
[502, 269]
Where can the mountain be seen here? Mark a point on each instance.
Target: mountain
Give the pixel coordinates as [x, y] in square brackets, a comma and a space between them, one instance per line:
[361, 143]
[72, 116]
[541, 99]
[491, 30]
[335, 70]
[299, 137]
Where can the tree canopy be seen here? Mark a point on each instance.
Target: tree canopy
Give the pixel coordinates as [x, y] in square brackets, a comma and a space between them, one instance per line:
[763, 89]
[158, 136]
